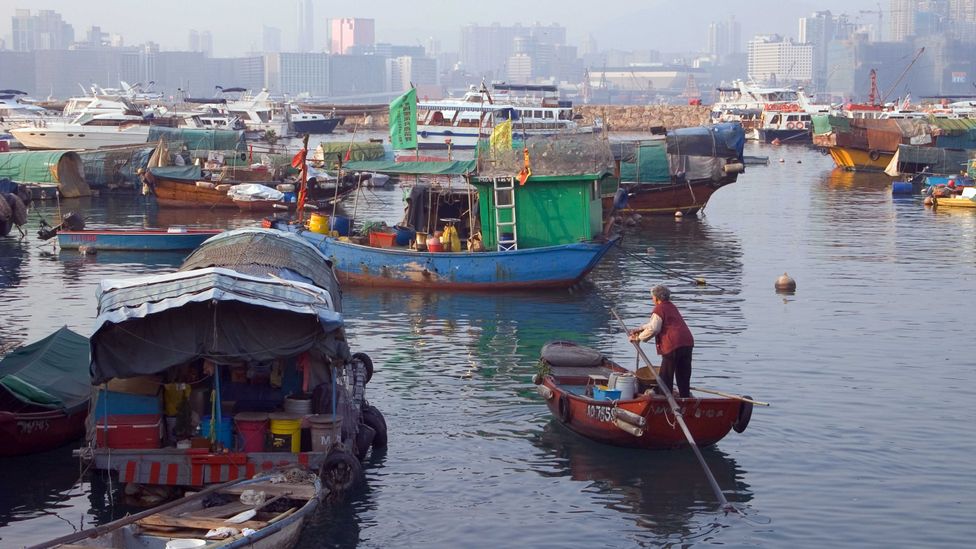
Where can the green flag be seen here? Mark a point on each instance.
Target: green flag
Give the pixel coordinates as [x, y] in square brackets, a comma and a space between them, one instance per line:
[403, 121]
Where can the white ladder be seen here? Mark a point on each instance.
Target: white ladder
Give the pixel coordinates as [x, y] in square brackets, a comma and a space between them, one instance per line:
[505, 202]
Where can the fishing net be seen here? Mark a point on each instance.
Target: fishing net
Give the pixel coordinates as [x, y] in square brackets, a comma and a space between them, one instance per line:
[561, 154]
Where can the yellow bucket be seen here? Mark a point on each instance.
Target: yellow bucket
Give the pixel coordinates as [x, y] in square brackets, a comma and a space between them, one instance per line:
[319, 223]
[286, 432]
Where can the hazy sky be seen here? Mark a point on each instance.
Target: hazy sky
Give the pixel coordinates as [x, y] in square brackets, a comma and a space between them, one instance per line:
[666, 25]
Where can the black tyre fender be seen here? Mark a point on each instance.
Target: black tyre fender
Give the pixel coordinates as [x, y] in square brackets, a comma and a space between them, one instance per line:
[364, 439]
[745, 414]
[564, 409]
[341, 471]
[367, 362]
[374, 419]
[874, 155]
[5, 227]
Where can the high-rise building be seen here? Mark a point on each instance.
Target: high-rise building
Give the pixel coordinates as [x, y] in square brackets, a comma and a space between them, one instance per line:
[901, 13]
[771, 59]
[409, 70]
[206, 43]
[306, 27]
[270, 39]
[819, 30]
[962, 11]
[193, 40]
[485, 50]
[351, 34]
[724, 38]
[44, 31]
[295, 73]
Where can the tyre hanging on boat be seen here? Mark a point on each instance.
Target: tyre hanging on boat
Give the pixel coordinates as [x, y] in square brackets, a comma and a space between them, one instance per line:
[564, 413]
[364, 439]
[374, 419]
[367, 363]
[341, 472]
[745, 414]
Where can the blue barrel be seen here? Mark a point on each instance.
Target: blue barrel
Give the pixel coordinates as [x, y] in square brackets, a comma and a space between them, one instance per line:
[901, 187]
[404, 235]
[340, 224]
[224, 435]
[290, 198]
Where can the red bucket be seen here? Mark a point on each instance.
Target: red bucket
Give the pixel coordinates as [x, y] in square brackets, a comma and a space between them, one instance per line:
[252, 428]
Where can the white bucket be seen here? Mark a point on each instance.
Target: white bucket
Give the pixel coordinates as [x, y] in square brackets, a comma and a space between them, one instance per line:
[627, 385]
[186, 543]
[612, 381]
[299, 404]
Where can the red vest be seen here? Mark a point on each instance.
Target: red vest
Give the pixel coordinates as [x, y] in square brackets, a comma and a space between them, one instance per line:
[674, 332]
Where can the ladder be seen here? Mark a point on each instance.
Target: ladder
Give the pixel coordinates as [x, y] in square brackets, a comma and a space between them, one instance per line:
[505, 226]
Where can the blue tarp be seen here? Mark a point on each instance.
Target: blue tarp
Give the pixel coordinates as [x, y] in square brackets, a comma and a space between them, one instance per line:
[725, 140]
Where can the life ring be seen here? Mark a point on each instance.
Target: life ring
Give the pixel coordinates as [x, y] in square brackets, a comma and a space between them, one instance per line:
[341, 471]
[745, 414]
[374, 418]
[367, 362]
[423, 134]
[563, 407]
[874, 155]
[790, 126]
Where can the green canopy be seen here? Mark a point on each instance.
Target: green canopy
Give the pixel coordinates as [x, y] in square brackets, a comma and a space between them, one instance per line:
[646, 163]
[191, 172]
[455, 167]
[332, 151]
[200, 139]
[64, 168]
[51, 373]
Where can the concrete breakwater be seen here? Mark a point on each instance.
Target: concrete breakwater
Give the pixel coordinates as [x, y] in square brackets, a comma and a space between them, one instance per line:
[626, 118]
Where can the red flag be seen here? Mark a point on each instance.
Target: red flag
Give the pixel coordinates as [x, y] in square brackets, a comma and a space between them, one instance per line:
[348, 154]
[526, 172]
[298, 160]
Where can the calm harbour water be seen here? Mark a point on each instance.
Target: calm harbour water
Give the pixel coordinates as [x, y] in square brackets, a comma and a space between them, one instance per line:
[869, 441]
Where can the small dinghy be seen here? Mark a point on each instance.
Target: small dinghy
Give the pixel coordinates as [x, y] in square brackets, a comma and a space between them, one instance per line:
[605, 402]
[265, 512]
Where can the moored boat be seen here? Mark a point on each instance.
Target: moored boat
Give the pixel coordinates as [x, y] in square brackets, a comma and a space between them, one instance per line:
[572, 379]
[171, 239]
[181, 187]
[266, 512]
[44, 394]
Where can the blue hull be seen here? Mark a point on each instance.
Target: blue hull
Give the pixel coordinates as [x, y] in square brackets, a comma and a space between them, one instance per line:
[549, 267]
[133, 240]
[786, 136]
[325, 125]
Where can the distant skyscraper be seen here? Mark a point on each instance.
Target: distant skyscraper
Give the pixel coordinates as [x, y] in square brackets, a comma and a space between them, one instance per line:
[351, 33]
[724, 38]
[774, 60]
[193, 40]
[44, 31]
[206, 43]
[270, 39]
[963, 11]
[486, 50]
[306, 27]
[902, 16]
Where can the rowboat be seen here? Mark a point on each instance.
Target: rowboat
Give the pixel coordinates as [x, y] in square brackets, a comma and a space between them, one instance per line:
[180, 187]
[44, 393]
[965, 200]
[266, 512]
[172, 239]
[571, 376]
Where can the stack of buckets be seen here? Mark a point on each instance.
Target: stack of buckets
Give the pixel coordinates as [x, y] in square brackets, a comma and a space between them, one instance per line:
[282, 431]
[336, 225]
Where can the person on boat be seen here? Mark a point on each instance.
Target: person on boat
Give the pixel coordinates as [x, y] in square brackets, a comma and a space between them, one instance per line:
[673, 339]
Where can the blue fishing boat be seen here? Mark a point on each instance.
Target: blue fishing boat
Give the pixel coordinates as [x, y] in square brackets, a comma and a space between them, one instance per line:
[493, 230]
[172, 239]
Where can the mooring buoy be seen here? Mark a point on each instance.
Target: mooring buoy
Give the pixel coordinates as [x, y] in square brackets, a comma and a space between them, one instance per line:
[785, 284]
[679, 214]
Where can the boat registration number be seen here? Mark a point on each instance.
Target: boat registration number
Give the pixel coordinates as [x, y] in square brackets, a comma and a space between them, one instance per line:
[600, 413]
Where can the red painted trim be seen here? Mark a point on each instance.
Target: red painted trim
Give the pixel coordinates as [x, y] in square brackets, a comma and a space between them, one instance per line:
[249, 470]
[196, 475]
[267, 465]
[130, 471]
[233, 472]
[215, 473]
[303, 459]
[172, 474]
[154, 468]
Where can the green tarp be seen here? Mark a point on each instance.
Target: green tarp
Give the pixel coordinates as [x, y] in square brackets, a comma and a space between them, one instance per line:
[52, 372]
[825, 123]
[333, 151]
[64, 168]
[200, 140]
[192, 172]
[646, 163]
[456, 167]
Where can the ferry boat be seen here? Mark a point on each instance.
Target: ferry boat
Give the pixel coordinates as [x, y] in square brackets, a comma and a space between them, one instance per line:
[535, 110]
[767, 113]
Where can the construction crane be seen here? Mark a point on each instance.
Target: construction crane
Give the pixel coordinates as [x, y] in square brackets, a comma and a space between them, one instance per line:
[880, 15]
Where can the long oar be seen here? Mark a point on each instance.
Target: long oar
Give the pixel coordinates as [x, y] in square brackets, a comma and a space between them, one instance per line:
[726, 506]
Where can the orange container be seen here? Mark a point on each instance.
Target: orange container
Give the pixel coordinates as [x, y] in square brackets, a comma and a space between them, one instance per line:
[434, 245]
[378, 239]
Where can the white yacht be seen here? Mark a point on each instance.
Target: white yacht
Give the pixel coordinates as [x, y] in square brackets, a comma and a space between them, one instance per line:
[15, 111]
[94, 127]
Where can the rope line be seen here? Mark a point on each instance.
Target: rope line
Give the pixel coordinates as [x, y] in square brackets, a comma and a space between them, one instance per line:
[670, 272]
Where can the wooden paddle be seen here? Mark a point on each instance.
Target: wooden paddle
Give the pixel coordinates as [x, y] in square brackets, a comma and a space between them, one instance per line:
[726, 506]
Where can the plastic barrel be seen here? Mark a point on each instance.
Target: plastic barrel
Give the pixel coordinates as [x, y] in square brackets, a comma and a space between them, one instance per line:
[404, 235]
[286, 431]
[340, 224]
[324, 429]
[224, 436]
[627, 385]
[299, 404]
[901, 187]
[319, 223]
[252, 429]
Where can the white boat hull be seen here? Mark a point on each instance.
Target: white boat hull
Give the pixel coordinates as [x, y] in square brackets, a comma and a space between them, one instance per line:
[78, 137]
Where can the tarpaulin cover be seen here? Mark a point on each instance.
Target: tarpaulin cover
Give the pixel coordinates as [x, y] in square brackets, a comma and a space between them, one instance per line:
[883, 140]
[719, 140]
[333, 151]
[825, 123]
[645, 162]
[911, 159]
[51, 373]
[192, 173]
[118, 167]
[456, 167]
[62, 167]
[254, 191]
[200, 139]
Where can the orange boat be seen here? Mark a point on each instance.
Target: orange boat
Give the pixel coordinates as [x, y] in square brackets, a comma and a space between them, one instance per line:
[572, 380]
[185, 190]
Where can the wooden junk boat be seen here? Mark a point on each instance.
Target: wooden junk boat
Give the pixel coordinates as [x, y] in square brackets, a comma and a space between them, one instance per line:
[44, 393]
[267, 512]
[570, 379]
[248, 336]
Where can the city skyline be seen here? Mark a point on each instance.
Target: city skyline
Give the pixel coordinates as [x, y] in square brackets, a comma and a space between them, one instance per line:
[619, 24]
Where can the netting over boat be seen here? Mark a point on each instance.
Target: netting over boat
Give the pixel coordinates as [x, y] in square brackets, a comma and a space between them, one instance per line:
[562, 154]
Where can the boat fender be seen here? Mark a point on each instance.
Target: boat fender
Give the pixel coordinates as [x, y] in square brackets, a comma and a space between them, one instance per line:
[632, 429]
[630, 417]
[374, 418]
[423, 134]
[546, 392]
[874, 155]
[745, 414]
[734, 167]
[341, 471]
[367, 363]
[563, 406]
[364, 439]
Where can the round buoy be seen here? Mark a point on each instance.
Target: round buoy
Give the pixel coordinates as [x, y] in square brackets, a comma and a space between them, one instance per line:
[679, 214]
[87, 250]
[781, 160]
[785, 284]
[799, 162]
